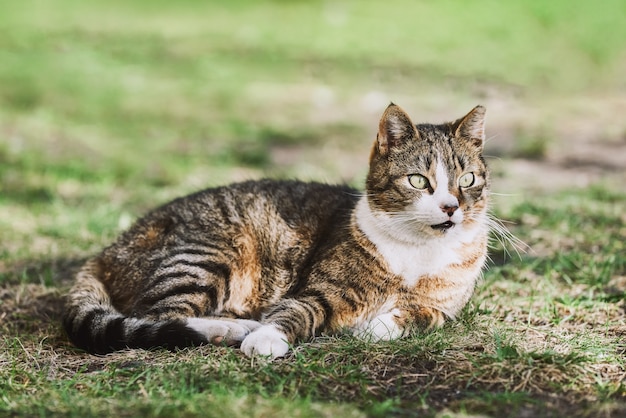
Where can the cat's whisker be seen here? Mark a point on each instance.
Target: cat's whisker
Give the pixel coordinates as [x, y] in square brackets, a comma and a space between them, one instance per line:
[504, 194]
[359, 194]
[505, 237]
[490, 138]
[493, 157]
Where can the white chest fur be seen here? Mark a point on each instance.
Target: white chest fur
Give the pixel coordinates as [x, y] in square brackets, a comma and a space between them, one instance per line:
[412, 258]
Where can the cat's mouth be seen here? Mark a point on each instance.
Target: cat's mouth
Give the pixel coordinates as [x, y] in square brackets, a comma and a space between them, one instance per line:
[443, 226]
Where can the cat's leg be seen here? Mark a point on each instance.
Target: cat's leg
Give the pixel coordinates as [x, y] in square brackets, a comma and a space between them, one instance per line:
[288, 321]
[217, 330]
[383, 327]
[191, 287]
[398, 323]
[425, 318]
[267, 341]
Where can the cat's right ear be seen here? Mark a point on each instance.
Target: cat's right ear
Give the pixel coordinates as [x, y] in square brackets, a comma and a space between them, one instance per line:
[472, 126]
[395, 128]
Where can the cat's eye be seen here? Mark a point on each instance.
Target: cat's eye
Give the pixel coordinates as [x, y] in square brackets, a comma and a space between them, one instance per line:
[466, 180]
[418, 181]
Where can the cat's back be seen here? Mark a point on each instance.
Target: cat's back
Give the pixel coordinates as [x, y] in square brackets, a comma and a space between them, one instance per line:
[295, 203]
[274, 213]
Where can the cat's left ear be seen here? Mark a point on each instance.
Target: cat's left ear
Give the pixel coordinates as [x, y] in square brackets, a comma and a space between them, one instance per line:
[472, 126]
[395, 128]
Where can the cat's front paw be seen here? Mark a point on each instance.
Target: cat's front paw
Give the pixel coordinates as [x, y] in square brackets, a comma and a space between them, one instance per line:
[266, 341]
[384, 327]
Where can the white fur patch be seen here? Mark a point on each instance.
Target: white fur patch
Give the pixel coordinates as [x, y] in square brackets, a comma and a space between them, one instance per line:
[381, 328]
[266, 341]
[442, 197]
[410, 252]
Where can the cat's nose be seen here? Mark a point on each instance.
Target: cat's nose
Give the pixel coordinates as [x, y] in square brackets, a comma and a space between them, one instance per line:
[449, 209]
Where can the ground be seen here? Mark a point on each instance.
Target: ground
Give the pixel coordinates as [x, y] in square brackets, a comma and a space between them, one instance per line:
[111, 108]
[537, 359]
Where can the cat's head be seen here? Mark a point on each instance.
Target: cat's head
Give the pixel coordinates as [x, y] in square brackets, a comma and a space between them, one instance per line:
[429, 180]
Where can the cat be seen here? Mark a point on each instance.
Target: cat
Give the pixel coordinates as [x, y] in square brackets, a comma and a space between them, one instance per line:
[265, 264]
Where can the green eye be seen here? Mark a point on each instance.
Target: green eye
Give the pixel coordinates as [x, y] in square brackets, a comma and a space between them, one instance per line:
[418, 181]
[466, 180]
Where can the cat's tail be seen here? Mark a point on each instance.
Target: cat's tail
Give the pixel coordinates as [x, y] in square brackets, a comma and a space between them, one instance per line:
[93, 324]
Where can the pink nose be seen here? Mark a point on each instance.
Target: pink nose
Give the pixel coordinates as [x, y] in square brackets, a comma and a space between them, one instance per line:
[449, 210]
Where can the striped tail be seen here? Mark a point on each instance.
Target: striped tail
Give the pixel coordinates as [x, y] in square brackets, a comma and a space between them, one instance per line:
[93, 324]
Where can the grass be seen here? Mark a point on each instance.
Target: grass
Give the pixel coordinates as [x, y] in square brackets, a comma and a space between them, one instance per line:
[109, 109]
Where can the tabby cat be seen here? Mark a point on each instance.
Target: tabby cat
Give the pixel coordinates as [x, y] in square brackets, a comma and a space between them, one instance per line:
[265, 264]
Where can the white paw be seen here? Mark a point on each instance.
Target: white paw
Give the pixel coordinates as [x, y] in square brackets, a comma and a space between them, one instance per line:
[265, 341]
[224, 330]
[381, 328]
[251, 324]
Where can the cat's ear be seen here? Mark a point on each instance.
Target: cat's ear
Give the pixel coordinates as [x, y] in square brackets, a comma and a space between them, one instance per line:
[395, 128]
[472, 126]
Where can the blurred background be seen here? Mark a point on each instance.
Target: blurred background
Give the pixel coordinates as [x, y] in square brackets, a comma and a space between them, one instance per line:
[110, 107]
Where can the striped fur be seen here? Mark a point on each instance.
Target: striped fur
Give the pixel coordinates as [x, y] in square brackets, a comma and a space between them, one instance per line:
[264, 264]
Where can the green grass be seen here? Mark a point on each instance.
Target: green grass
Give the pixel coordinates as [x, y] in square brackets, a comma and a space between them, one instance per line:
[110, 108]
